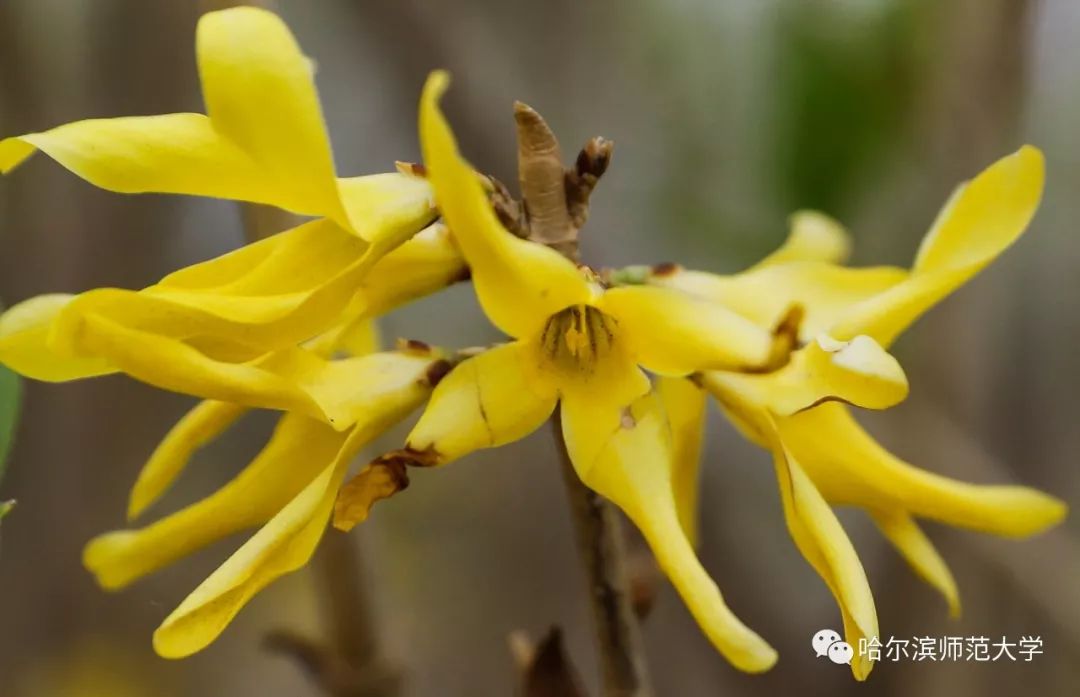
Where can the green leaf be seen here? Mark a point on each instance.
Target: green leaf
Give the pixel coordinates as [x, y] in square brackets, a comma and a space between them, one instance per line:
[10, 394]
[5, 507]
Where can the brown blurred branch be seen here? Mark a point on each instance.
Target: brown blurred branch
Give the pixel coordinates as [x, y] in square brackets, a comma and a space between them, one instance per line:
[556, 201]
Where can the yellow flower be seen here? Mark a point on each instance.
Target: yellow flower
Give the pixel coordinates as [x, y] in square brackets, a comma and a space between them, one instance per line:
[289, 488]
[262, 138]
[583, 347]
[799, 411]
[227, 328]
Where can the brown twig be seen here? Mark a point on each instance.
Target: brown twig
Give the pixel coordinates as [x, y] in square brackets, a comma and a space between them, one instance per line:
[556, 203]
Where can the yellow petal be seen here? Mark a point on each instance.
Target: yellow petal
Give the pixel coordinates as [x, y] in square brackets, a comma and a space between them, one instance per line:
[485, 401]
[981, 220]
[232, 309]
[295, 454]
[766, 293]
[276, 296]
[287, 542]
[427, 263]
[388, 207]
[519, 283]
[909, 539]
[818, 535]
[204, 423]
[283, 545]
[288, 380]
[813, 236]
[850, 467]
[260, 94]
[672, 333]
[24, 343]
[684, 403]
[352, 337]
[170, 153]
[263, 139]
[629, 462]
[858, 372]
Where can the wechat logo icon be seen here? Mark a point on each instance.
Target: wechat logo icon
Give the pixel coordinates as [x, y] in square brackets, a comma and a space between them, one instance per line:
[827, 642]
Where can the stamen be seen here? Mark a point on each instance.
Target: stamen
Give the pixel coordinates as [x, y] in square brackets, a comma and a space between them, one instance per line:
[578, 336]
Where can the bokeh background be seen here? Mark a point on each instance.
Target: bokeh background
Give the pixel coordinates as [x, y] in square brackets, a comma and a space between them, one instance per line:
[727, 116]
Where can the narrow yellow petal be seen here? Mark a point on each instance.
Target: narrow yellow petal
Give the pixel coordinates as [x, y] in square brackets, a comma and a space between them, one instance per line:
[850, 467]
[173, 365]
[25, 348]
[289, 379]
[260, 94]
[289, 539]
[765, 293]
[295, 454]
[909, 539]
[519, 283]
[813, 236]
[630, 464]
[204, 423]
[214, 316]
[858, 372]
[981, 220]
[486, 401]
[672, 333]
[821, 539]
[168, 153]
[283, 545]
[263, 139]
[684, 401]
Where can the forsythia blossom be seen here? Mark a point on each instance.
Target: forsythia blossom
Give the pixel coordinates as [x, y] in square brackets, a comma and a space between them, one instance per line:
[286, 323]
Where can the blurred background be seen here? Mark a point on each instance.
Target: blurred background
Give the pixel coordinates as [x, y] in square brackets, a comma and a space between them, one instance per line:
[727, 117]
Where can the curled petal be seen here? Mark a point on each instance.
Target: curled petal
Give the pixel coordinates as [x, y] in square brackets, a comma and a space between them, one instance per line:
[767, 292]
[858, 372]
[486, 401]
[818, 535]
[909, 539]
[813, 236]
[298, 450]
[628, 461]
[684, 402]
[262, 140]
[981, 220]
[204, 423]
[672, 333]
[239, 306]
[387, 209]
[519, 283]
[25, 346]
[850, 467]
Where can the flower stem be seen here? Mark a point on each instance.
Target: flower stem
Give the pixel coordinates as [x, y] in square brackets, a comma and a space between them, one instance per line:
[600, 543]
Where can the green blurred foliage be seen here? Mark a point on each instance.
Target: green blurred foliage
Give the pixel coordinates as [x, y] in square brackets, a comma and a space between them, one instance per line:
[847, 84]
[10, 399]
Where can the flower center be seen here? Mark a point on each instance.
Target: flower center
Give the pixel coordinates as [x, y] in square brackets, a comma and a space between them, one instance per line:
[578, 336]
